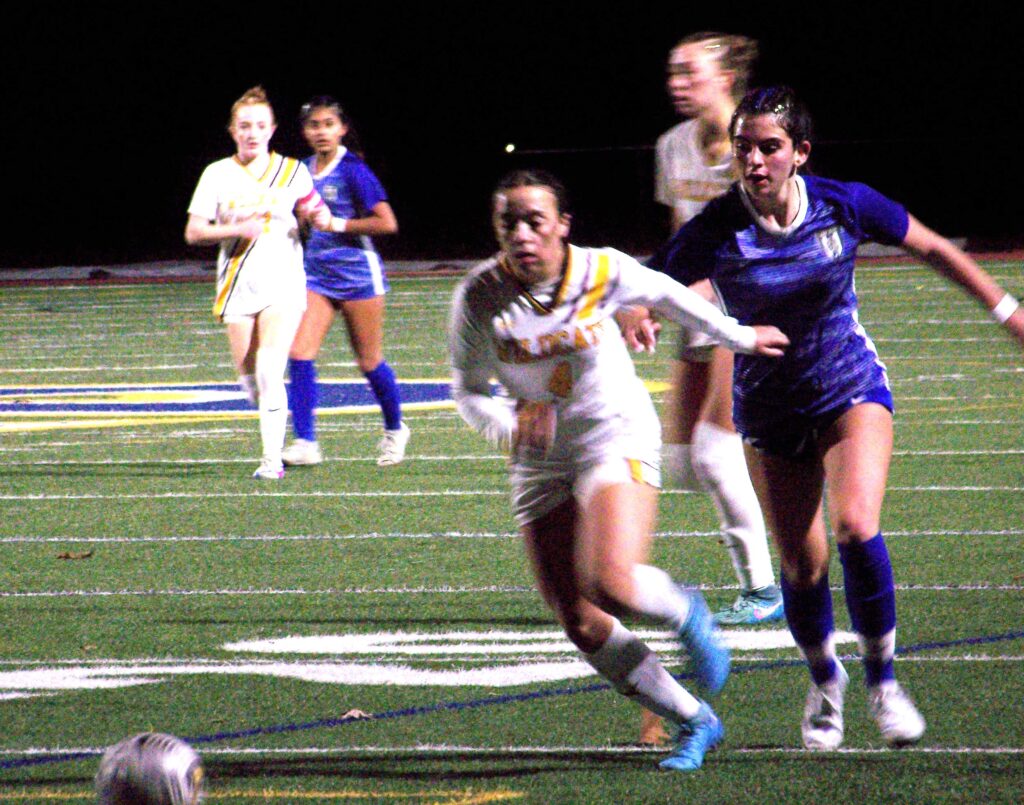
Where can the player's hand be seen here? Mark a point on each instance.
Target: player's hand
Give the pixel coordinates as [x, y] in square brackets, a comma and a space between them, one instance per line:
[639, 328]
[771, 341]
[249, 228]
[320, 218]
[535, 427]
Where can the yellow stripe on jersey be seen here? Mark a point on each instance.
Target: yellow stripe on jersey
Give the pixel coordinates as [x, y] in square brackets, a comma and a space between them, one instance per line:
[241, 251]
[537, 305]
[563, 286]
[598, 289]
[288, 170]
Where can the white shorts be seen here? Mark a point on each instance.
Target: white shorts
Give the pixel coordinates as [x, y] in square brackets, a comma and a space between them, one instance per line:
[254, 291]
[541, 486]
[695, 346]
[238, 318]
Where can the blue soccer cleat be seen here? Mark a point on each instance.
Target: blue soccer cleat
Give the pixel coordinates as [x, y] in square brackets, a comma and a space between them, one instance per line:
[757, 606]
[709, 655]
[696, 738]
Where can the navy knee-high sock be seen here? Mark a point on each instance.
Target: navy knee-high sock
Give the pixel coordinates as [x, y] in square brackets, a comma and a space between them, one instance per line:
[871, 601]
[302, 398]
[809, 614]
[385, 389]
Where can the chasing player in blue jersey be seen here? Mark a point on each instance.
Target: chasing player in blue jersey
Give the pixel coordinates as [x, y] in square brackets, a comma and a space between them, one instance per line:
[343, 273]
[780, 249]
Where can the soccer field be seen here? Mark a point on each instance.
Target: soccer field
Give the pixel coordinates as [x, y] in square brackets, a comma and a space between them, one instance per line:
[148, 583]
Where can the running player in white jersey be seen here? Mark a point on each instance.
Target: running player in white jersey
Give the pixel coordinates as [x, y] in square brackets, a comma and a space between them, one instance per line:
[584, 441]
[250, 205]
[344, 274]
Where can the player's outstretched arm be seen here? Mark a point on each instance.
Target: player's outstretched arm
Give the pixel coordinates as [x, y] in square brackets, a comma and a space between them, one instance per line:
[200, 232]
[951, 262]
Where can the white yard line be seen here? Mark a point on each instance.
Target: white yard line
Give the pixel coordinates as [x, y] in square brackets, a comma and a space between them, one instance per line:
[441, 750]
[441, 590]
[409, 494]
[403, 535]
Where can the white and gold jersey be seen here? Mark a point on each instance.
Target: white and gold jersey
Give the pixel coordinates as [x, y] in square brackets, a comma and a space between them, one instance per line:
[252, 274]
[682, 178]
[561, 345]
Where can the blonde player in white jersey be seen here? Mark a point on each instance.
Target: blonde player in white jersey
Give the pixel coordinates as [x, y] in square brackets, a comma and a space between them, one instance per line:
[584, 439]
[250, 205]
[707, 74]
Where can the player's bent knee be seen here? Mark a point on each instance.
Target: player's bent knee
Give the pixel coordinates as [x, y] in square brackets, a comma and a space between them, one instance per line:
[585, 633]
[803, 572]
[856, 526]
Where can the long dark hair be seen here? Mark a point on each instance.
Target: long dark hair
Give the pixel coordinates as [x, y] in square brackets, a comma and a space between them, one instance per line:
[780, 102]
[351, 138]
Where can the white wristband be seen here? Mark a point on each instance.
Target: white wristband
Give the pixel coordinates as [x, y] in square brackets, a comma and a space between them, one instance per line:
[339, 224]
[1006, 307]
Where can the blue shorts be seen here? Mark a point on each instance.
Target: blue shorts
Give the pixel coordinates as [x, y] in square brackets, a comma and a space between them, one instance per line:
[798, 435]
[351, 291]
[348, 280]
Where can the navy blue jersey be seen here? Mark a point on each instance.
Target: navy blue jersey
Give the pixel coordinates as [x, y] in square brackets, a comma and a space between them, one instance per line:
[338, 264]
[800, 280]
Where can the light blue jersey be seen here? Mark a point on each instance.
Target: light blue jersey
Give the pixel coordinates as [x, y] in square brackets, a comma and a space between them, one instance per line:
[801, 280]
[339, 265]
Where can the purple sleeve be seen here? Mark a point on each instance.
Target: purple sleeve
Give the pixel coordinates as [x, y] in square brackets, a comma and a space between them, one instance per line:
[367, 191]
[690, 255]
[879, 217]
[870, 214]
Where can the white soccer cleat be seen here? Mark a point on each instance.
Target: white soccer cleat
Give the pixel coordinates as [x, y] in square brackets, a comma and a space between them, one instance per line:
[302, 453]
[269, 470]
[897, 718]
[822, 727]
[392, 446]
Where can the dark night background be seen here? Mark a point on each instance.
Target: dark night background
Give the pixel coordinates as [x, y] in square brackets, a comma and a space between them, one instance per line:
[112, 110]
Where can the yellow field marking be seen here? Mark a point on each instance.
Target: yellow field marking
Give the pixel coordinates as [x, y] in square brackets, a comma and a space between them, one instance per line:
[29, 422]
[1005, 405]
[16, 423]
[469, 797]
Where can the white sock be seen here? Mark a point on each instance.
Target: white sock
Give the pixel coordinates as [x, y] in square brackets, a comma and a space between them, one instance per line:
[821, 655]
[273, 402]
[677, 467]
[877, 649]
[635, 671]
[656, 596]
[248, 384]
[718, 461]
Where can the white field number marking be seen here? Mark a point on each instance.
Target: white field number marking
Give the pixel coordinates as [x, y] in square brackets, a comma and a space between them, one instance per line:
[390, 652]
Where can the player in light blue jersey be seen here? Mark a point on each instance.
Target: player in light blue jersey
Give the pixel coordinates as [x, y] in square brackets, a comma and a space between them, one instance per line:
[779, 248]
[344, 274]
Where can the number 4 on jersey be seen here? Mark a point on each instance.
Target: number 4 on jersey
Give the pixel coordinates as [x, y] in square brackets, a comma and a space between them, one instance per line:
[560, 382]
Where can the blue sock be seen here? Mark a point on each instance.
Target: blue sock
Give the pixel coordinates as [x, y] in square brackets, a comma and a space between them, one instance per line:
[302, 398]
[871, 601]
[385, 389]
[809, 614]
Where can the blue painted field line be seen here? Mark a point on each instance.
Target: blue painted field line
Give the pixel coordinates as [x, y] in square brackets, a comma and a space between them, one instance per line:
[326, 723]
